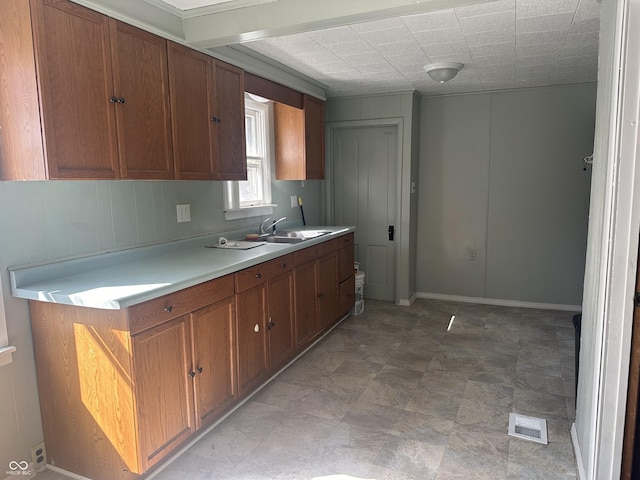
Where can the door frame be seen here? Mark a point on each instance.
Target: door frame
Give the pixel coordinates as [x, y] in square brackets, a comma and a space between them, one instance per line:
[401, 230]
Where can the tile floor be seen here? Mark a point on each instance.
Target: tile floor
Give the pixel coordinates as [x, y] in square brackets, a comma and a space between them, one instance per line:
[393, 394]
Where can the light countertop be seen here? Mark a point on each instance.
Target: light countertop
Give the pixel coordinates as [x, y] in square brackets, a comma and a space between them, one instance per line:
[120, 279]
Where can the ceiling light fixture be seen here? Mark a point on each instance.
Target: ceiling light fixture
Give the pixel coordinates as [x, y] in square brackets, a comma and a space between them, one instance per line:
[443, 72]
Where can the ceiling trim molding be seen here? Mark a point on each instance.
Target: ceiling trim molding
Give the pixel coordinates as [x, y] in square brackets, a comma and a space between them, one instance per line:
[208, 10]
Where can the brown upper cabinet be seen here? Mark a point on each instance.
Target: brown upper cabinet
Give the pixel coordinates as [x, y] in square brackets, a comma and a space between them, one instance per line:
[299, 140]
[207, 105]
[86, 97]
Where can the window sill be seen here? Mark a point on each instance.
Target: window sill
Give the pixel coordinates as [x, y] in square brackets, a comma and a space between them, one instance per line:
[5, 355]
[248, 212]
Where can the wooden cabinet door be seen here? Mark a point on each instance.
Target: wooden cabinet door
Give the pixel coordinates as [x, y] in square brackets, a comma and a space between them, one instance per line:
[251, 314]
[192, 97]
[280, 321]
[347, 296]
[289, 142]
[141, 86]
[314, 138]
[306, 301]
[164, 388]
[230, 160]
[73, 58]
[327, 289]
[214, 359]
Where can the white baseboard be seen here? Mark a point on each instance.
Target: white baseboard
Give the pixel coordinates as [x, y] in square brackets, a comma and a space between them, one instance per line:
[403, 302]
[576, 450]
[503, 303]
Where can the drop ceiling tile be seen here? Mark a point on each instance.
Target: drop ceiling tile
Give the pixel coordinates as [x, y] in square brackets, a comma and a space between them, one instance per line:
[351, 48]
[588, 9]
[544, 49]
[591, 38]
[331, 36]
[538, 38]
[363, 58]
[445, 49]
[337, 67]
[586, 60]
[490, 38]
[535, 71]
[408, 59]
[392, 49]
[535, 8]
[375, 68]
[492, 50]
[461, 57]
[544, 23]
[537, 61]
[496, 72]
[321, 58]
[585, 26]
[577, 50]
[494, 60]
[488, 23]
[485, 8]
[377, 25]
[431, 21]
[439, 37]
[383, 37]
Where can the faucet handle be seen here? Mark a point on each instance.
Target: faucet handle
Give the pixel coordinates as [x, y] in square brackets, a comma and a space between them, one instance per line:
[262, 225]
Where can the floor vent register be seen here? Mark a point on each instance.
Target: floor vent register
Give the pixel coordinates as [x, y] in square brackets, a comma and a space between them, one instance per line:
[528, 428]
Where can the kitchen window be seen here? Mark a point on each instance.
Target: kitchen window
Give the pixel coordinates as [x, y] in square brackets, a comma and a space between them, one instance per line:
[252, 197]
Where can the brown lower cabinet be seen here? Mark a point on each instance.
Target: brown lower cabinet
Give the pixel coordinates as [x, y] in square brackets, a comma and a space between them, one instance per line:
[120, 390]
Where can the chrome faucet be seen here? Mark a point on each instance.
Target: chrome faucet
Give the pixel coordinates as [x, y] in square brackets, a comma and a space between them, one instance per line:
[264, 227]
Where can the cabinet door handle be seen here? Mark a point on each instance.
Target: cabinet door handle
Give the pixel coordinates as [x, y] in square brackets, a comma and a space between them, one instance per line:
[113, 99]
[216, 120]
[168, 309]
[320, 295]
[256, 328]
[258, 275]
[271, 324]
[199, 369]
[192, 374]
[284, 265]
[121, 100]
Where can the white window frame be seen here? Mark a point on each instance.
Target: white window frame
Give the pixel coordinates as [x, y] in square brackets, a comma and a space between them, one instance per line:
[232, 205]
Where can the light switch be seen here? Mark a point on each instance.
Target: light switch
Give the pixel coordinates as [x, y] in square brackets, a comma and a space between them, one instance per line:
[184, 213]
[294, 201]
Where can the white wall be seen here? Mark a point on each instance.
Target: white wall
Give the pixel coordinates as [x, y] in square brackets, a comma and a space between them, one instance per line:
[45, 221]
[501, 173]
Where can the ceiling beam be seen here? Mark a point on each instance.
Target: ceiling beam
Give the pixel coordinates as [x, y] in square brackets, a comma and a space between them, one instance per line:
[285, 17]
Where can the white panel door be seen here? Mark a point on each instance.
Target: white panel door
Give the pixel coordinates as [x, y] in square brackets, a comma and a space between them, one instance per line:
[365, 166]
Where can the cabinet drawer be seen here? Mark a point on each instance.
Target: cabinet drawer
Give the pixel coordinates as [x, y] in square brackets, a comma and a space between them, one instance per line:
[325, 248]
[346, 240]
[159, 310]
[252, 276]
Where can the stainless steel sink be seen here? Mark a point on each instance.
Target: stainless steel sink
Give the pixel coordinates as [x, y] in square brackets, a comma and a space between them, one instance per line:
[294, 236]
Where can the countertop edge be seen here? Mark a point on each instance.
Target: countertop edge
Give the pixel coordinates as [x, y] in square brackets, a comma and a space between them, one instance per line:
[62, 279]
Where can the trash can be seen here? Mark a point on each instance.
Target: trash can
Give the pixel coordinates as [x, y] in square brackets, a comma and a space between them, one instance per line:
[358, 307]
[577, 325]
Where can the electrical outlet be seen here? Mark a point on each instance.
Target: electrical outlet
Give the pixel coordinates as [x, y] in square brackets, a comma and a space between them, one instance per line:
[184, 213]
[38, 457]
[472, 254]
[294, 201]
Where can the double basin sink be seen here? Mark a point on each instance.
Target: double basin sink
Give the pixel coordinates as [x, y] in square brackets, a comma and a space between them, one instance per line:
[292, 237]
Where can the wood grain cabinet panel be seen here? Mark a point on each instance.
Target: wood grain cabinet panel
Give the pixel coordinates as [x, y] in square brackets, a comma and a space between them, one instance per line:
[74, 71]
[280, 326]
[207, 105]
[253, 359]
[307, 326]
[162, 363]
[299, 140]
[141, 87]
[214, 360]
[102, 98]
